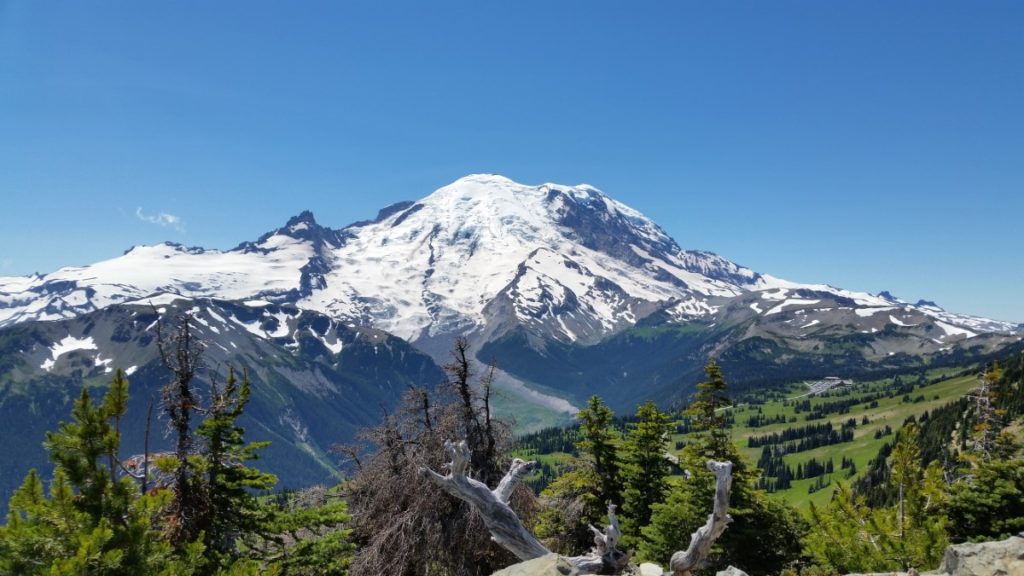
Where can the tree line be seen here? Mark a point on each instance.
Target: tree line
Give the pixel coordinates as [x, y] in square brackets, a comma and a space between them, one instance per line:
[806, 437]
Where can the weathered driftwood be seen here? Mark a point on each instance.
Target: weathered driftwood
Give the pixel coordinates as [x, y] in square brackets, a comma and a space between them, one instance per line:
[605, 558]
[506, 528]
[701, 540]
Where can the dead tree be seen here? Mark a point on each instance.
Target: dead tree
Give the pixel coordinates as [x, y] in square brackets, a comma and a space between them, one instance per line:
[700, 541]
[605, 558]
[181, 354]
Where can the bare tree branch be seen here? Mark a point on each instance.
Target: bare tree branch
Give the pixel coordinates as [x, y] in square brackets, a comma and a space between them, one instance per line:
[505, 527]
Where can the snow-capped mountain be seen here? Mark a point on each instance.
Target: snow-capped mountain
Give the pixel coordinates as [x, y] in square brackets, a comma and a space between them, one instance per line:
[570, 291]
[482, 255]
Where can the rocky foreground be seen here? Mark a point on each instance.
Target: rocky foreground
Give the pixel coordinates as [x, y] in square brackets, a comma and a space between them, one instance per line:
[1003, 558]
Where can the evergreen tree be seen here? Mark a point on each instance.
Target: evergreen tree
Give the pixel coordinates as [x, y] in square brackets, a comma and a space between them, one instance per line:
[571, 504]
[989, 504]
[765, 535]
[989, 411]
[597, 444]
[309, 533]
[188, 514]
[229, 483]
[707, 409]
[92, 521]
[850, 536]
[646, 466]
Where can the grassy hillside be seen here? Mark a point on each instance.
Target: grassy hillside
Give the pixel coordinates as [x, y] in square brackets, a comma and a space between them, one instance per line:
[882, 403]
[879, 409]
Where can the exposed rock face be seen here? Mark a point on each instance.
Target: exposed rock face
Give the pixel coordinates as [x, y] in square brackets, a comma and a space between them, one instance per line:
[1005, 558]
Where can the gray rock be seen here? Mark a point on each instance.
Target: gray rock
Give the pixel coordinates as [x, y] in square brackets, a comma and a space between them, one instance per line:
[731, 571]
[550, 565]
[1005, 558]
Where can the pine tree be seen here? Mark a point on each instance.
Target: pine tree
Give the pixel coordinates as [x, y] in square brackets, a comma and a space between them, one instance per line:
[229, 483]
[764, 536]
[850, 536]
[646, 466]
[989, 504]
[310, 533]
[596, 443]
[92, 521]
[707, 408]
[989, 413]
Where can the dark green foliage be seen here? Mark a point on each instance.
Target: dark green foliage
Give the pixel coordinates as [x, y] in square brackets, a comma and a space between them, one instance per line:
[580, 496]
[308, 533]
[571, 503]
[596, 444]
[92, 521]
[705, 409]
[229, 483]
[765, 535]
[645, 466]
[990, 504]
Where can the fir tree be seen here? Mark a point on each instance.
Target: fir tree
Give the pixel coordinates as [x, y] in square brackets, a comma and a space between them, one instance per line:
[229, 485]
[764, 536]
[646, 466]
[706, 409]
[92, 521]
[596, 443]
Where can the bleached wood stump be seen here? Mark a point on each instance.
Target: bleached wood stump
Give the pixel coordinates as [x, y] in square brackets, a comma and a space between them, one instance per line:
[605, 558]
[700, 541]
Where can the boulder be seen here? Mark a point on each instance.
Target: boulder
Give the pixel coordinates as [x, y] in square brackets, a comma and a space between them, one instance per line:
[549, 565]
[1003, 558]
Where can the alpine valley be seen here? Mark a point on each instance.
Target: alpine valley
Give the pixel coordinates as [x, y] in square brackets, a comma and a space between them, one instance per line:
[570, 292]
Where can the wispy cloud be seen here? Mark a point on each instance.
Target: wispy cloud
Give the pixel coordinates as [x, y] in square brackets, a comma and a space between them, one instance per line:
[161, 219]
[6, 263]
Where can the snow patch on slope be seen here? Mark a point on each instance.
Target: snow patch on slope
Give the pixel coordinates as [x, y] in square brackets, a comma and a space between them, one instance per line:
[791, 302]
[951, 330]
[67, 344]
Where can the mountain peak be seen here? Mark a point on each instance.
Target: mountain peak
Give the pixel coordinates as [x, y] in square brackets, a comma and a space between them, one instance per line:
[304, 217]
[886, 295]
[485, 177]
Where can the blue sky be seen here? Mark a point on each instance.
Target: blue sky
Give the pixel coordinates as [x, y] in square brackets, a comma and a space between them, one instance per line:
[869, 145]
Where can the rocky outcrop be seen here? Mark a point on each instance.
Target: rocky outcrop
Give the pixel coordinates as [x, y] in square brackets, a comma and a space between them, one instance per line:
[1002, 558]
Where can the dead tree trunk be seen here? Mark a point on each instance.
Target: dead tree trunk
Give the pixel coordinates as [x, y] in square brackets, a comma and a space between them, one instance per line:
[701, 540]
[605, 558]
[506, 528]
